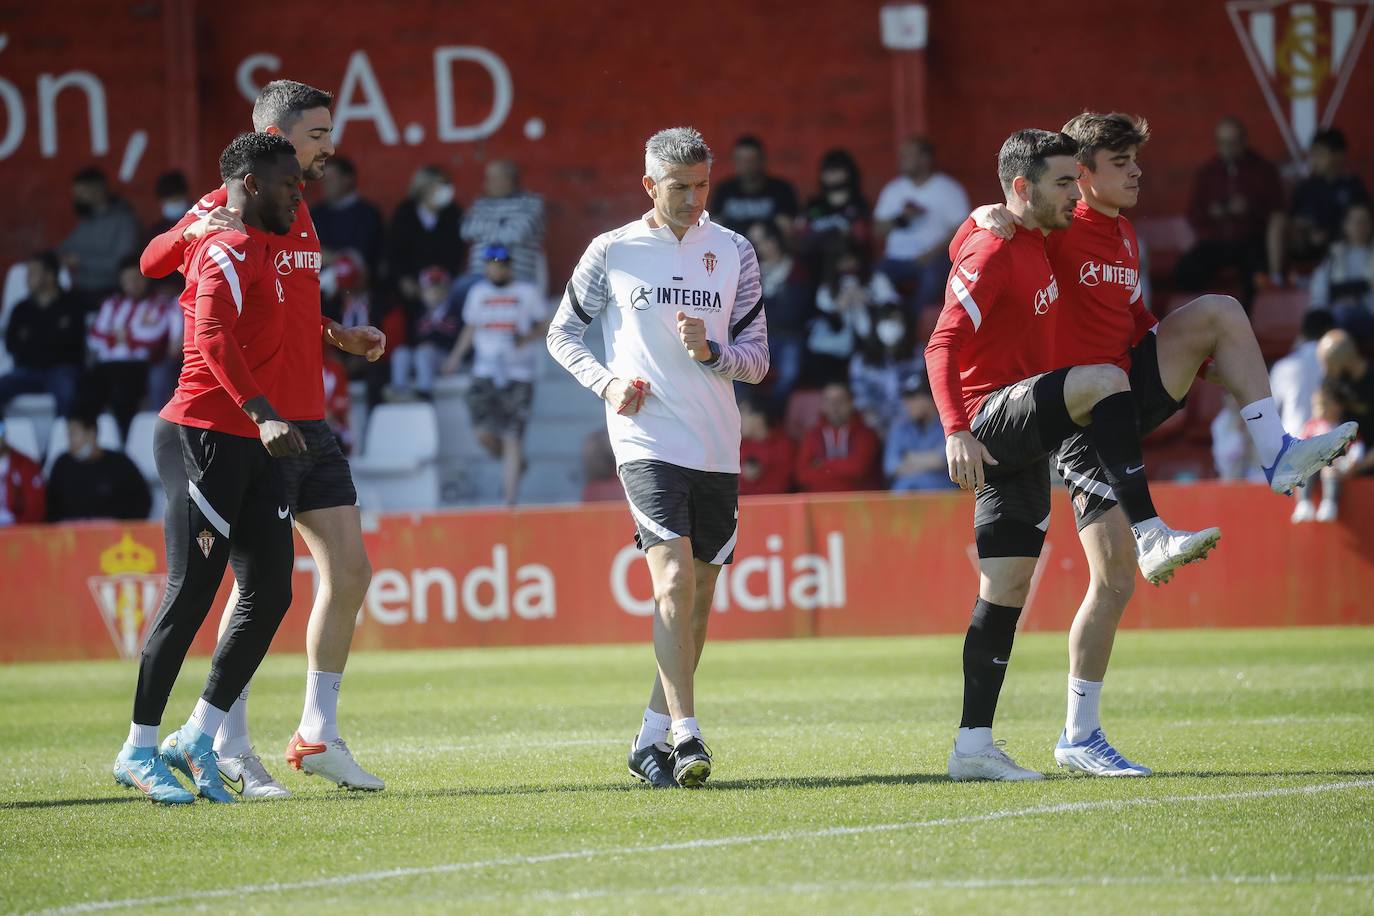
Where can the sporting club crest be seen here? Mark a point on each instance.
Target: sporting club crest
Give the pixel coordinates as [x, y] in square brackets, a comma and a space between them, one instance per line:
[709, 261]
[1303, 54]
[128, 593]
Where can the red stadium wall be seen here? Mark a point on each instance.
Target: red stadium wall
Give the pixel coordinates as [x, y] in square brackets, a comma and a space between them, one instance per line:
[866, 565]
[141, 87]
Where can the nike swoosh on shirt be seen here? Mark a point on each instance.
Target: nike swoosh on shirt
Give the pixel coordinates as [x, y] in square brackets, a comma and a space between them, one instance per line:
[972, 277]
[234, 253]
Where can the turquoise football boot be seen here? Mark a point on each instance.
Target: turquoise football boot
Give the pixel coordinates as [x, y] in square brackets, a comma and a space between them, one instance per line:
[191, 751]
[142, 768]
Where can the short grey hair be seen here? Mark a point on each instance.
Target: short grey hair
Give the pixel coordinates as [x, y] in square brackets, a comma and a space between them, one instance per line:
[672, 147]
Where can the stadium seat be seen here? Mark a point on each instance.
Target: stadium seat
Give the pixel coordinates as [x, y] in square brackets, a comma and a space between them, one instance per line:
[1166, 238]
[22, 436]
[106, 434]
[803, 412]
[398, 467]
[1276, 316]
[1204, 403]
[139, 448]
[40, 408]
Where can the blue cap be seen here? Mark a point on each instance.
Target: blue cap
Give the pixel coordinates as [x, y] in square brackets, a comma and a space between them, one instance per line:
[496, 253]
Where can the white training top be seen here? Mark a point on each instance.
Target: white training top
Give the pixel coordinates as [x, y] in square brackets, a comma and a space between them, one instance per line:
[499, 317]
[638, 278]
[944, 205]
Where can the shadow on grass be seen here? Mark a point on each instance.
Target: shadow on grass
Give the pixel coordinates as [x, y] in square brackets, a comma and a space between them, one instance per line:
[69, 802]
[1243, 774]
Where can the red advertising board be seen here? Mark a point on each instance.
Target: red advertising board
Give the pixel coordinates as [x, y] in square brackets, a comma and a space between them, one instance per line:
[843, 565]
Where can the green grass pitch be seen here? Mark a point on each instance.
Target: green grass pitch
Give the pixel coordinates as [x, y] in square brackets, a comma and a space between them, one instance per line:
[507, 789]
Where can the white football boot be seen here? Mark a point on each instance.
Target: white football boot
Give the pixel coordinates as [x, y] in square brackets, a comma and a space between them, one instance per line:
[332, 760]
[989, 763]
[1161, 550]
[1095, 756]
[1299, 459]
[246, 776]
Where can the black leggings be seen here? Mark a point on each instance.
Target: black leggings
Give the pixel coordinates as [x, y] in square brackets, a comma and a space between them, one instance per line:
[224, 506]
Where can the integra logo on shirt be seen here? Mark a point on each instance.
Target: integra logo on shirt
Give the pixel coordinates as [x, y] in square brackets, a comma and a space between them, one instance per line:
[1093, 273]
[645, 297]
[1046, 297]
[287, 261]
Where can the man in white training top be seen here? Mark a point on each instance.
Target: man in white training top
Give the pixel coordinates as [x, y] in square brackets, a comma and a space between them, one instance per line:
[682, 316]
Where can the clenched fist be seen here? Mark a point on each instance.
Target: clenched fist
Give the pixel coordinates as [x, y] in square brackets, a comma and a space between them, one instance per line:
[692, 332]
[626, 396]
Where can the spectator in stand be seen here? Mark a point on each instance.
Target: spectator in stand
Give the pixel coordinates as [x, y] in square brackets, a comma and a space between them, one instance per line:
[915, 218]
[1320, 203]
[22, 495]
[751, 195]
[1297, 376]
[347, 294]
[106, 233]
[914, 456]
[767, 455]
[504, 321]
[788, 304]
[345, 219]
[1326, 416]
[1233, 453]
[1344, 283]
[173, 200]
[132, 331]
[848, 290]
[884, 355]
[1349, 377]
[338, 400]
[89, 482]
[509, 216]
[840, 453]
[425, 231]
[414, 365]
[1234, 197]
[837, 218]
[46, 337]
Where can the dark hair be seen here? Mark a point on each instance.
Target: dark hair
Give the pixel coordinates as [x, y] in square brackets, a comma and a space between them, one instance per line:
[1025, 154]
[768, 228]
[1115, 132]
[1331, 138]
[750, 141]
[128, 261]
[281, 103]
[344, 165]
[842, 159]
[90, 175]
[49, 259]
[924, 143]
[171, 183]
[250, 152]
[86, 415]
[1316, 323]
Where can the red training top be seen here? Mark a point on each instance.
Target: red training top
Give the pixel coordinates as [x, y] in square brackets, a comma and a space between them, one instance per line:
[775, 457]
[839, 459]
[299, 391]
[997, 325]
[234, 307]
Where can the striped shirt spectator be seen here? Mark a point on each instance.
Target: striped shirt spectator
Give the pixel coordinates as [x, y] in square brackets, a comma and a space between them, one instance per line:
[508, 216]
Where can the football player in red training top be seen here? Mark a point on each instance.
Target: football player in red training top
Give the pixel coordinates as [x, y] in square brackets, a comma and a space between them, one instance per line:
[1103, 319]
[215, 444]
[1005, 408]
[319, 485]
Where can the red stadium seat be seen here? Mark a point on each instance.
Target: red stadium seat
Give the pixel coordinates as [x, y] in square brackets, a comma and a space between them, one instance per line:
[1277, 317]
[1204, 403]
[803, 412]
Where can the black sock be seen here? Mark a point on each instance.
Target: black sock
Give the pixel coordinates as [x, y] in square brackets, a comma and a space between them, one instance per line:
[987, 649]
[1115, 433]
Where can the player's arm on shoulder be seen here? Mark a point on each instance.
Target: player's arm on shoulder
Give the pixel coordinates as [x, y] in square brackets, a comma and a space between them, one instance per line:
[586, 295]
[744, 357]
[163, 253]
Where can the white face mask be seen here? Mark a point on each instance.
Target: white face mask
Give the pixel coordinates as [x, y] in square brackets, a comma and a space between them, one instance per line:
[174, 209]
[890, 332]
[439, 197]
[84, 452]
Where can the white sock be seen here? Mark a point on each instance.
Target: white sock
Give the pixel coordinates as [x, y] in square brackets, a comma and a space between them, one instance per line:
[654, 730]
[972, 740]
[142, 735]
[1266, 429]
[686, 728]
[1083, 716]
[207, 718]
[320, 720]
[232, 738]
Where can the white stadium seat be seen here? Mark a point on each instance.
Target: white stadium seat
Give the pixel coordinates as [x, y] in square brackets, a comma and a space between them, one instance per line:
[139, 448]
[40, 408]
[398, 468]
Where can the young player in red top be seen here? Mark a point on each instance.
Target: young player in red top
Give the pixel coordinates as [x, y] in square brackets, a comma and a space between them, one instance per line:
[1103, 319]
[1005, 408]
[319, 484]
[215, 444]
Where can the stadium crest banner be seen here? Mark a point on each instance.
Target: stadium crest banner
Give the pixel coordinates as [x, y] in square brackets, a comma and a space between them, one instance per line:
[836, 565]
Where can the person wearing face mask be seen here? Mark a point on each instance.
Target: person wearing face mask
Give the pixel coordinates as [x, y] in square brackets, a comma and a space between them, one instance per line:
[885, 355]
[105, 233]
[345, 219]
[842, 302]
[89, 482]
[425, 231]
[838, 216]
[173, 201]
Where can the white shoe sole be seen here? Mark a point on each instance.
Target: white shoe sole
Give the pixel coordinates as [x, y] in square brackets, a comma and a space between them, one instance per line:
[1288, 483]
[1077, 768]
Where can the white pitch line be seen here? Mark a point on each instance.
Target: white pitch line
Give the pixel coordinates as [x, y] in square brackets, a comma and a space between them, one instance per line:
[704, 843]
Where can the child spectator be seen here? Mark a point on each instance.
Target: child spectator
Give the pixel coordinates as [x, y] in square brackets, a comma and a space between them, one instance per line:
[767, 455]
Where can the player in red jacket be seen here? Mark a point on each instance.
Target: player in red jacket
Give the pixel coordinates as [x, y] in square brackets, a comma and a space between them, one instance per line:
[1005, 408]
[1103, 319]
[319, 484]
